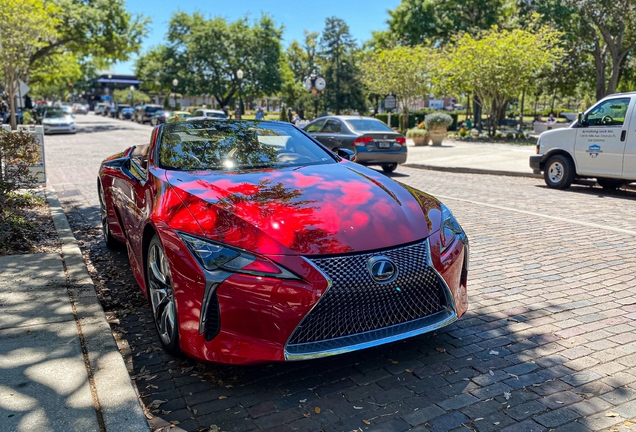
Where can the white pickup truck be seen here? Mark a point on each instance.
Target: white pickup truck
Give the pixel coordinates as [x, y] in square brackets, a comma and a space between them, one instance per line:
[600, 144]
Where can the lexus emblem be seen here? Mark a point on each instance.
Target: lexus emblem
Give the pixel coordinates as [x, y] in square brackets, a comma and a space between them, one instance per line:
[382, 269]
[386, 136]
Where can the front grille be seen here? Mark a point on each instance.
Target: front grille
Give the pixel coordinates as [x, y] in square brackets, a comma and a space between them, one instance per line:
[355, 303]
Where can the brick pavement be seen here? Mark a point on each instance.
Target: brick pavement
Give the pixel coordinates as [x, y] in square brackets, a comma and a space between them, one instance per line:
[549, 342]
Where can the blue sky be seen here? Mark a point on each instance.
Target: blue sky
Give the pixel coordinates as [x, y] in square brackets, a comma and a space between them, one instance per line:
[362, 16]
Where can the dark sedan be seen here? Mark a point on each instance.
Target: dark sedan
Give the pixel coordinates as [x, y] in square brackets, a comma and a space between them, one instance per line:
[126, 113]
[373, 141]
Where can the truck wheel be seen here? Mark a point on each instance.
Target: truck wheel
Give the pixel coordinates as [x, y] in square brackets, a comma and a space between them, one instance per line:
[609, 184]
[559, 172]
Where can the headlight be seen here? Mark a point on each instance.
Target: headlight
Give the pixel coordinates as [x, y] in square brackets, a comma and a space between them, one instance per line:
[215, 256]
[539, 145]
[450, 229]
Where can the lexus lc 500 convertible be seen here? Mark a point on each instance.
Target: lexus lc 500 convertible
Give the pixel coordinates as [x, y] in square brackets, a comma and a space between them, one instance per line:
[255, 243]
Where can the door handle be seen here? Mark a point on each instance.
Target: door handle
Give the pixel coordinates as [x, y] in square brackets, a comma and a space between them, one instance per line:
[623, 135]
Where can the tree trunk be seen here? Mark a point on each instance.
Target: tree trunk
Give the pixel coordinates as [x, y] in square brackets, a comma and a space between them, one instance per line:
[477, 112]
[14, 112]
[599, 63]
[523, 101]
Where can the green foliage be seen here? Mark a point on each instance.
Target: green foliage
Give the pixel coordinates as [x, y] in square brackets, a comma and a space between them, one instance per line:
[96, 28]
[438, 120]
[497, 64]
[124, 97]
[26, 26]
[416, 132]
[18, 151]
[404, 71]
[205, 55]
[422, 21]
[340, 68]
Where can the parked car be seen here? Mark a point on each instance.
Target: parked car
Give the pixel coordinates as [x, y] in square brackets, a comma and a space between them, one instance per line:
[126, 113]
[100, 107]
[601, 144]
[254, 243]
[159, 117]
[202, 114]
[373, 141]
[80, 108]
[145, 113]
[178, 116]
[57, 120]
[114, 112]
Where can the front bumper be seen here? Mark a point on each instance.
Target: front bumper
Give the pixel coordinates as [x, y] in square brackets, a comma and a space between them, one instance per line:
[380, 158]
[243, 319]
[535, 163]
[51, 129]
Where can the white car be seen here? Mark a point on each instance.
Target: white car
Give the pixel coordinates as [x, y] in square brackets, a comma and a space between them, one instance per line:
[203, 114]
[58, 121]
[100, 107]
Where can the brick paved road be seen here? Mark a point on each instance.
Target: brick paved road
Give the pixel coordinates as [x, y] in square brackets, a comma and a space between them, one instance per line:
[549, 342]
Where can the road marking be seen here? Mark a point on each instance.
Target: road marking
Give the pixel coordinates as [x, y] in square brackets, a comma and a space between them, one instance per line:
[576, 222]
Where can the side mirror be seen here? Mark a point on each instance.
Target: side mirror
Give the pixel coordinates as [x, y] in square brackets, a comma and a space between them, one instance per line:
[580, 120]
[345, 154]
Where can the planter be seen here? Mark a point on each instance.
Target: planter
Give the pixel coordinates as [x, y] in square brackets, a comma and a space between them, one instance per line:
[437, 135]
[421, 140]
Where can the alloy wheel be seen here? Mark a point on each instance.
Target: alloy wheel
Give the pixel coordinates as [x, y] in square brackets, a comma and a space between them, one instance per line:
[161, 294]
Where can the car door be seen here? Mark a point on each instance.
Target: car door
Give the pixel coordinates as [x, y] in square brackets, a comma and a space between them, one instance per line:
[314, 128]
[330, 133]
[600, 143]
[134, 202]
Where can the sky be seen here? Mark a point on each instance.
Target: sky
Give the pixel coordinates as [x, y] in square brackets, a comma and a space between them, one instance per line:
[362, 16]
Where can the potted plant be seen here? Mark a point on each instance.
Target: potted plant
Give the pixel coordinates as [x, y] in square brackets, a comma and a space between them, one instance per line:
[438, 124]
[419, 136]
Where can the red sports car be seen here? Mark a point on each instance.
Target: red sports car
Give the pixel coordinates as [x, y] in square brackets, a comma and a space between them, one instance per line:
[254, 243]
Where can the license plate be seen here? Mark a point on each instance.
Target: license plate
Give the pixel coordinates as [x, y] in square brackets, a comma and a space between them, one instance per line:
[384, 145]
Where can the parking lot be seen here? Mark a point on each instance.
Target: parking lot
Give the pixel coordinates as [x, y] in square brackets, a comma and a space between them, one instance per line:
[549, 341]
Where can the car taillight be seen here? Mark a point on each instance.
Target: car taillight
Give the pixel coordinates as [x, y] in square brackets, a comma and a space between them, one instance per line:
[362, 141]
[400, 140]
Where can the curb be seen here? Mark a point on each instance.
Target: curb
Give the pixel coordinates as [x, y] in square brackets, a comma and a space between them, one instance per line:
[115, 398]
[461, 170]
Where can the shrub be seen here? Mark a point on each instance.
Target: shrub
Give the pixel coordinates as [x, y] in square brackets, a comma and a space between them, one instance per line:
[411, 133]
[438, 120]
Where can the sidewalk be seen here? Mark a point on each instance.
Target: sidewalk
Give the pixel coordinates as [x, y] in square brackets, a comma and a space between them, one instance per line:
[487, 158]
[60, 368]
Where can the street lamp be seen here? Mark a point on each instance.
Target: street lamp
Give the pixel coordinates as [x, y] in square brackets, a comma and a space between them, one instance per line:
[132, 95]
[239, 75]
[175, 83]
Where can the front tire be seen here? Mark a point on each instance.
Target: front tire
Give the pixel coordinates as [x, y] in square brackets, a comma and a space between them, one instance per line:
[389, 168]
[161, 296]
[559, 172]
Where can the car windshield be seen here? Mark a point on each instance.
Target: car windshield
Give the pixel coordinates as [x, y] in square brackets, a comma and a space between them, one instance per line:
[151, 109]
[368, 125]
[214, 145]
[54, 114]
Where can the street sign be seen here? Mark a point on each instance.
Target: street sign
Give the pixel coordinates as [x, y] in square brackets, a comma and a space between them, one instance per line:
[390, 102]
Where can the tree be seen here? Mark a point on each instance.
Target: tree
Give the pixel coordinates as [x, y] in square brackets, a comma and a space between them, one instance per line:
[150, 67]
[125, 96]
[404, 71]
[437, 21]
[339, 66]
[603, 29]
[51, 75]
[205, 55]
[498, 64]
[24, 26]
[93, 28]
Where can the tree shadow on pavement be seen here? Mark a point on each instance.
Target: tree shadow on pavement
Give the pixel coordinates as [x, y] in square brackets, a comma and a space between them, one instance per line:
[547, 341]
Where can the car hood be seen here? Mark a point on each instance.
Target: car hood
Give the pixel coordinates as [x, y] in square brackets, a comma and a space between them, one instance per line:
[312, 210]
[54, 121]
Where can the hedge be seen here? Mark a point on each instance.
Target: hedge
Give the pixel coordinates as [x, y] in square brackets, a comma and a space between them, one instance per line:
[396, 119]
